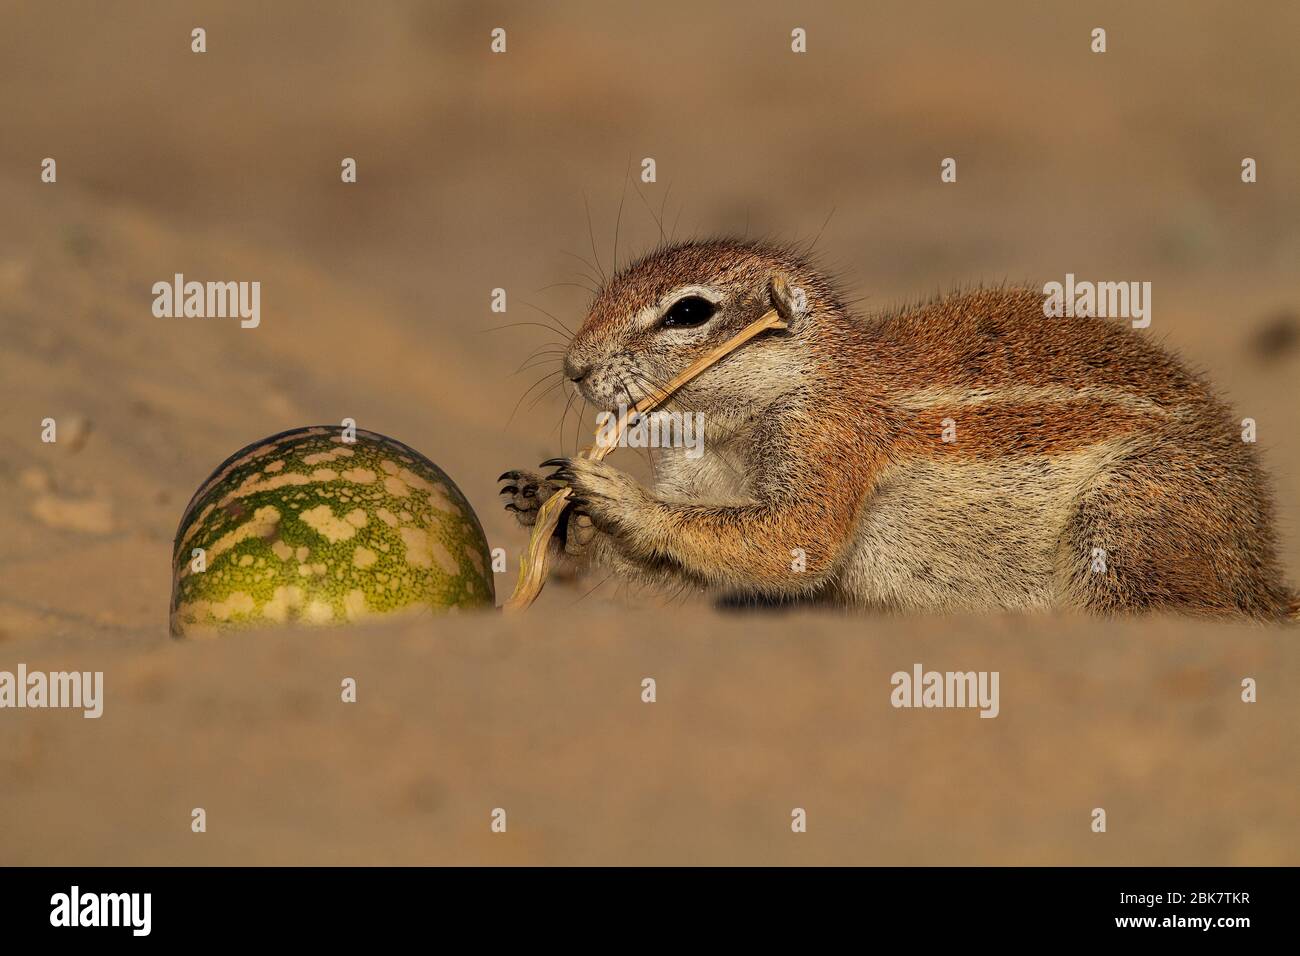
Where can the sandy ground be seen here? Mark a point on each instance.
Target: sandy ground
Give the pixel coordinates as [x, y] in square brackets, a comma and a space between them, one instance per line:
[754, 717]
[472, 171]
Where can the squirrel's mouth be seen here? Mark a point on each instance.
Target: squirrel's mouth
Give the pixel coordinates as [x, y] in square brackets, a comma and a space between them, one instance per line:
[607, 392]
[625, 395]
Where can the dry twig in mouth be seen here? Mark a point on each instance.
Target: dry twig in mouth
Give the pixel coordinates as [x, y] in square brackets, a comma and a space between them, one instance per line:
[532, 571]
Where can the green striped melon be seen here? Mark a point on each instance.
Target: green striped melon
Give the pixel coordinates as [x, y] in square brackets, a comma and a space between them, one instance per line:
[305, 527]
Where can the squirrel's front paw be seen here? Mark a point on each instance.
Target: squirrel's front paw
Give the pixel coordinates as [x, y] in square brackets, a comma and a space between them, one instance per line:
[612, 498]
[525, 494]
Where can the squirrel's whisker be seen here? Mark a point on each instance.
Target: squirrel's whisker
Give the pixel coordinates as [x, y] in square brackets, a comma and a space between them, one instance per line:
[535, 384]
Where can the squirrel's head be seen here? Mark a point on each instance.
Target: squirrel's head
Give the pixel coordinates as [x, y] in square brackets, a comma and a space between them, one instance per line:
[662, 312]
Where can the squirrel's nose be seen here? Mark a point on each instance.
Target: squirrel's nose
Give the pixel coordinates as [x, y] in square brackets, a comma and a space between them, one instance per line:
[574, 372]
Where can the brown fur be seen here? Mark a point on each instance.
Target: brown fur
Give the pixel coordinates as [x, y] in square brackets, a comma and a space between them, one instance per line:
[825, 444]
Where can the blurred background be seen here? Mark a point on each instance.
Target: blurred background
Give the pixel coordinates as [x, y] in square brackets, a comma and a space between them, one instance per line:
[478, 171]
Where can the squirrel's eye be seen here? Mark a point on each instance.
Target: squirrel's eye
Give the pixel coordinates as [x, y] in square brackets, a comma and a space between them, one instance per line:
[692, 310]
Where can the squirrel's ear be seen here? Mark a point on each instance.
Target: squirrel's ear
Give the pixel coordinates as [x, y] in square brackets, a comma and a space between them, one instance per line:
[790, 302]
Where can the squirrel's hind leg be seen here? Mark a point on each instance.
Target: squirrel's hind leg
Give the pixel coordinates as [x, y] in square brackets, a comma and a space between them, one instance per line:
[1149, 534]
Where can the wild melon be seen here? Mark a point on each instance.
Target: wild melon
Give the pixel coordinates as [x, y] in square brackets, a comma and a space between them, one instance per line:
[324, 525]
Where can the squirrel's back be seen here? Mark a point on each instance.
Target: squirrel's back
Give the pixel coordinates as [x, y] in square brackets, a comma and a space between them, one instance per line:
[1034, 461]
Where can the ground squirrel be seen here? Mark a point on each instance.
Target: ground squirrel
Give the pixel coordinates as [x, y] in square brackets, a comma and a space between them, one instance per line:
[1084, 466]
